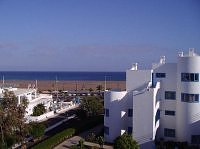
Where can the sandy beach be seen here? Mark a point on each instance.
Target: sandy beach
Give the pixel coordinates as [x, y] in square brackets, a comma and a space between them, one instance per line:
[66, 85]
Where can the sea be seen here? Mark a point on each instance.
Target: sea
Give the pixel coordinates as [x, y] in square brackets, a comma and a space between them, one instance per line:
[67, 76]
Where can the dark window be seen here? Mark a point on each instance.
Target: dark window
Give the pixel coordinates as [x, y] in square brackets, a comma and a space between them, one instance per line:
[106, 130]
[160, 75]
[196, 77]
[189, 97]
[169, 132]
[157, 117]
[167, 112]
[106, 112]
[195, 139]
[170, 95]
[189, 77]
[130, 112]
[130, 129]
[153, 80]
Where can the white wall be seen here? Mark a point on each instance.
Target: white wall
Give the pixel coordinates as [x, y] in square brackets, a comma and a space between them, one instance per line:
[39, 118]
[167, 84]
[143, 117]
[136, 79]
[188, 114]
[186, 121]
[116, 103]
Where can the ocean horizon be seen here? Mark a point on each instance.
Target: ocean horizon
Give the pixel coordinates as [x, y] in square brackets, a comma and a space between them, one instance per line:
[63, 75]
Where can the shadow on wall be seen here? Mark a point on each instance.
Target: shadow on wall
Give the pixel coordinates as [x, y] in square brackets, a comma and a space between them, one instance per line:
[118, 115]
[195, 131]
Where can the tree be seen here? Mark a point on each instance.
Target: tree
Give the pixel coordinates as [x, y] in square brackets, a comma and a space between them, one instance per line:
[92, 105]
[100, 140]
[90, 90]
[39, 110]
[99, 88]
[81, 144]
[12, 122]
[81, 114]
[125, 142]
[91, 137]
[37, 129]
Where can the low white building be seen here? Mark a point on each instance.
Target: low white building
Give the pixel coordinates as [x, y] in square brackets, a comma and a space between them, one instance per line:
[32, 97]
[159, 103]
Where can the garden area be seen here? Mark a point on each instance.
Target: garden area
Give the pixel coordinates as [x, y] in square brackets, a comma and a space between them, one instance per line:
[89, 115]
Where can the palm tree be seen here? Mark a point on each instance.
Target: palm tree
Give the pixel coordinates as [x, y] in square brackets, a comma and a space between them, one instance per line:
[100, 140]
[99, 88]
[81, 144]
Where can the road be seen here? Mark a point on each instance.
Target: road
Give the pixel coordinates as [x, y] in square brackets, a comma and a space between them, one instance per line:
[62, 126]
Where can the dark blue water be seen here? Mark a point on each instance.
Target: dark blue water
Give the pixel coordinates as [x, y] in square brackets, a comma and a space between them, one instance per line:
[92, 76]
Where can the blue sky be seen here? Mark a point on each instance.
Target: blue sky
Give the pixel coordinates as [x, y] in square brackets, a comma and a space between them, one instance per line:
[95, 35]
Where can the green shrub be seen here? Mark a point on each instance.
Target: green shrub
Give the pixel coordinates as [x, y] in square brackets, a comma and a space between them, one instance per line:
[91, 137]
[39, 110]
[56, 139]
[77, 128]
[37, 129]
[125, 142]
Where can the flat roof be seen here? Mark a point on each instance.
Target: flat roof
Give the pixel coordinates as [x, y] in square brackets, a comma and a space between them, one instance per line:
[20, 91]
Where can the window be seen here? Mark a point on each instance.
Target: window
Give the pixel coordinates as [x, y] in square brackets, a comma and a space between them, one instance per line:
[106, 130]
[189, 77]
[169, 132]
[130, 129]
[195, 139]
[106, 112]
[189, 97]
[130, 112]
[157, 117]
[160, 75]
[167, 112]
[170, 95]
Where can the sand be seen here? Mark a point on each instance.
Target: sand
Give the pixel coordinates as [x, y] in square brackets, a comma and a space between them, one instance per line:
[67, 85]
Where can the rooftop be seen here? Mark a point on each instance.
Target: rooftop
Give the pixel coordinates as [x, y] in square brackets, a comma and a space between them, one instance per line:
[19, 91]
[191, 53]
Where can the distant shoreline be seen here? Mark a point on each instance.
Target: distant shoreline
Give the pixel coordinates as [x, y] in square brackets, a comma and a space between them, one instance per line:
[66, 85]
[64, 76]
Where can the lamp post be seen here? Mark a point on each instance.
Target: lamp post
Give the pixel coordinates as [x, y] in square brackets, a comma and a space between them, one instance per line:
[105, 82]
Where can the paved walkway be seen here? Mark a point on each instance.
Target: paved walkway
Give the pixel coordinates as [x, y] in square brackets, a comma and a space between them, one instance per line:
[75, 140]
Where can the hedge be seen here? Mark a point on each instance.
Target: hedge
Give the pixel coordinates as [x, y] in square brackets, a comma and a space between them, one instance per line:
[56, 139]
[67, 133]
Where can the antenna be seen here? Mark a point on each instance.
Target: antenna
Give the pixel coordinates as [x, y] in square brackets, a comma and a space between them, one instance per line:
[36, 84]
[76, 88]
[56, 89]
[105, 84]
[3, 80]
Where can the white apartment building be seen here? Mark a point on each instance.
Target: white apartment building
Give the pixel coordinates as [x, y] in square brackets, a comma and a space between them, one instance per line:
[159, 103]
[32, 97]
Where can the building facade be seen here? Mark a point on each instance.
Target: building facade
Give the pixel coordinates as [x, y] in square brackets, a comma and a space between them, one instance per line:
[159, 103]
[32, 97]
